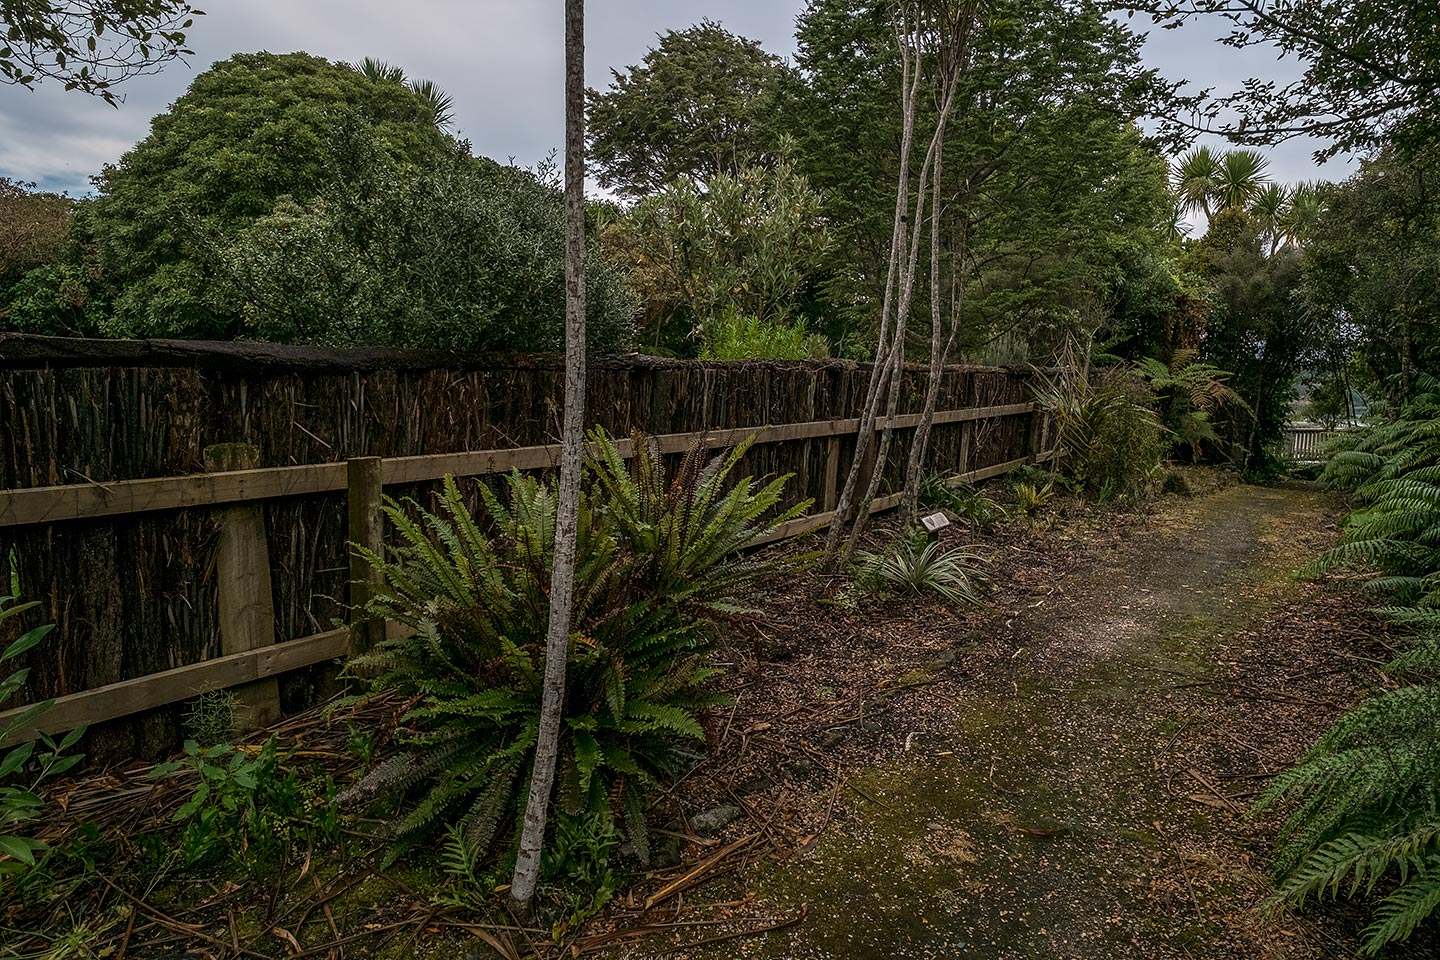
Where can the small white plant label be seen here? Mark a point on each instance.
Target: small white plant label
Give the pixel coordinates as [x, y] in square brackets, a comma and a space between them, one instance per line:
[935, 522]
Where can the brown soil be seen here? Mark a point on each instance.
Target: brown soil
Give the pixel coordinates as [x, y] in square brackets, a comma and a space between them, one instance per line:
[1063, 774]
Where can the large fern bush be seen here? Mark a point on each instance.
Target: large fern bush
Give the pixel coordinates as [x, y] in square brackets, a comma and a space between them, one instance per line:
[1365, 818]
[657, 555]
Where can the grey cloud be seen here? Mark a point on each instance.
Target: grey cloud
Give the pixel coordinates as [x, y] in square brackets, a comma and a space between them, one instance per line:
[500, 59]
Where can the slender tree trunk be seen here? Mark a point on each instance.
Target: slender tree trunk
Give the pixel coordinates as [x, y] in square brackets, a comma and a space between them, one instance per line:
[562, 574]
[896, 370]
[910, 76]
[940, 344]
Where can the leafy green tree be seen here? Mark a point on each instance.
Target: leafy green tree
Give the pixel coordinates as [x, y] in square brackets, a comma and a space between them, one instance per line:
[753, 243]
[1372, 267]
[250, 130]
[1372, 70]
[90, 45]
[697, 107]
[461, 255]
[1256, 328]
[33, 228]
[1032, 227]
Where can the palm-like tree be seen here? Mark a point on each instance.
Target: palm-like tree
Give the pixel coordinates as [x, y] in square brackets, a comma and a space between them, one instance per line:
[1307, 203]
[440, 104]
[1242, 177]
[1197, 178]
[1270, 209]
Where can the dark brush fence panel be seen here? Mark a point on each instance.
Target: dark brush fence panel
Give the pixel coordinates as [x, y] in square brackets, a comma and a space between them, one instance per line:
[132, 595]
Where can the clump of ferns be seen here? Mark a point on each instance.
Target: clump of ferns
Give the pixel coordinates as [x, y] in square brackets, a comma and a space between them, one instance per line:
[1366, 815]
[914, 565]
[1366, 806]
[656, 558]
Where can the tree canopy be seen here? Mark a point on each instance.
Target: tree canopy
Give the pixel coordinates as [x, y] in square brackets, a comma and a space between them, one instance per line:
[1372, 70]
[698, 106]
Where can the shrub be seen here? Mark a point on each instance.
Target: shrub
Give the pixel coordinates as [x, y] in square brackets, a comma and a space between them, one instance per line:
[917, 566]
[733, 336]
[246, 806]
[1175, 483]
[657, 557]
[1107, 438]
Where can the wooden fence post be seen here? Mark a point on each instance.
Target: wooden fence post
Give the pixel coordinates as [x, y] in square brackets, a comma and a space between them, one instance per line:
[832, 474]
[247, 606]
[367, 529]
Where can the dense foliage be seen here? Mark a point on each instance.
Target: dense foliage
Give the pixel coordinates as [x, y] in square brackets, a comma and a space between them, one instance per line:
[1372, 273]
[1050, 191]
[462, 255]
[749, 244]
[33, 228]
[290, 198]
[699, 106]
[656, 556]
[1365, 800]
[1106, 439]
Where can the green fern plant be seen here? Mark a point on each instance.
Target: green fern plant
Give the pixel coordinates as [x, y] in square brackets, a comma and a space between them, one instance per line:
[1365, 801]
[1031, 498]
[925, 567]
[658, 554]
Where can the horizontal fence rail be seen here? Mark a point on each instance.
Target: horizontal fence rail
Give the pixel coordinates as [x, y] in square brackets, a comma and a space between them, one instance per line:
[127, 497]
[266, 660]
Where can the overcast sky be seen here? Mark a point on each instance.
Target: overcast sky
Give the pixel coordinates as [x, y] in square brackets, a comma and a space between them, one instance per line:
[500, 59]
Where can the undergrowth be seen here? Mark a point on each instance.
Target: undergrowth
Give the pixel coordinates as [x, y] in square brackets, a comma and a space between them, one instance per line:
[1365, 800]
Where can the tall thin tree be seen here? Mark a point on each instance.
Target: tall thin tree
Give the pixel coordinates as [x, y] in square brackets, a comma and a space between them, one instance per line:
[562, 574]
[922, 28]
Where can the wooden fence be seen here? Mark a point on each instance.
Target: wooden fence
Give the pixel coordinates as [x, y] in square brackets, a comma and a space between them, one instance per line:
[165, 583]
[1303, 442]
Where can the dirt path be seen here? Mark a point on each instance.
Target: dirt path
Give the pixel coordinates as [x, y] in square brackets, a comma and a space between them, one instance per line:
[1063, 816]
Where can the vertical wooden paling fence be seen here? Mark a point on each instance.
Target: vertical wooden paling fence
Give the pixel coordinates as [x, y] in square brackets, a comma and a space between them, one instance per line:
[166, 582]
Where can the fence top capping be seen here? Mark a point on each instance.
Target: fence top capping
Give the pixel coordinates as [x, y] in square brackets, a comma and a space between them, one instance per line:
[21, 351]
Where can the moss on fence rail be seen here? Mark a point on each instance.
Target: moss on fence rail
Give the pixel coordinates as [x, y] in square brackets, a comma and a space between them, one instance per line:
[136, 595]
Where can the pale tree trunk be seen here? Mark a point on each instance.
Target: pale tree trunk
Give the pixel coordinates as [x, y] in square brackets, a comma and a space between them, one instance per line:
[910, 76]
[941, 343]
[886, 377]
[562, 574]
[949, 76]
[953, 65]
[894, 370]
